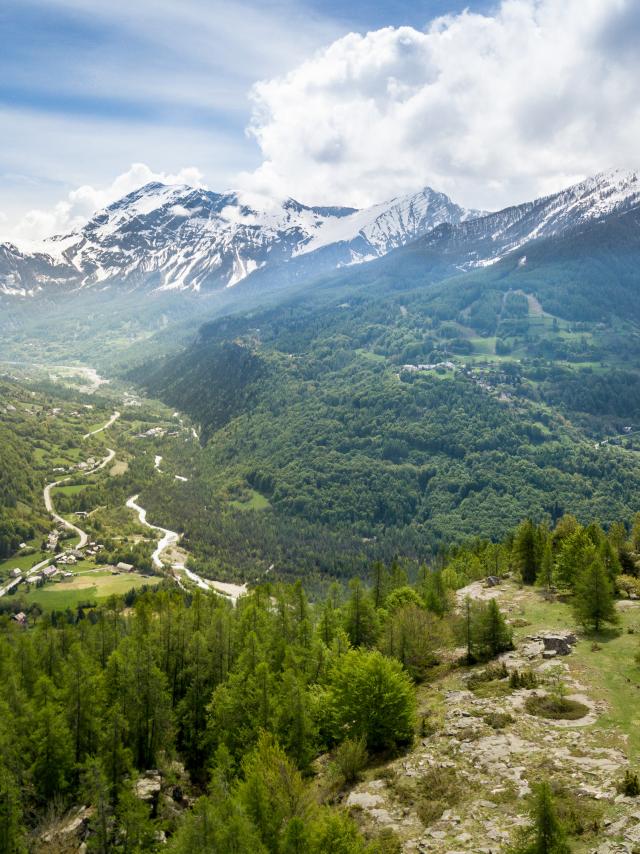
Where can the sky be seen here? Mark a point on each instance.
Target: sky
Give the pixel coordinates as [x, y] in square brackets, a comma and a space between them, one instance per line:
[326, 101]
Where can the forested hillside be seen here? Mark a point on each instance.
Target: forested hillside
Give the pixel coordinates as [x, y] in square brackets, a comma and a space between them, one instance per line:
[318, 421]
[231, 707]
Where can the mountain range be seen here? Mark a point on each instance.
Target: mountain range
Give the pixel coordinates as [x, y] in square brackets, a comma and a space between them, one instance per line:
[164, 238]
[180, 238]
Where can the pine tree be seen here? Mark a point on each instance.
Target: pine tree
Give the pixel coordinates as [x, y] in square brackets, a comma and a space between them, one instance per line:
[97, 792]
[12, 839]
[576, 553]
[546, 575]
[379, 583]
[435, 593]
[135, 827]
[593, 601]
[467, 617]
[609, 557]
[361, 623]
[495, 635]
[524, 552]
[547, 835]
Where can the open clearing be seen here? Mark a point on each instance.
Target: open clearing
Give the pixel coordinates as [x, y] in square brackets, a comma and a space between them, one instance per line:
[86, 587]
[464, 785]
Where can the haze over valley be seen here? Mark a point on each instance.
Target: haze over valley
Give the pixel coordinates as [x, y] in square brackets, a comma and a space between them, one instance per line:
[320, 496]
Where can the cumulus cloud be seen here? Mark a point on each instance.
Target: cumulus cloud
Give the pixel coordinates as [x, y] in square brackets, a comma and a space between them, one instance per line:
[492, 109]
[82, 202]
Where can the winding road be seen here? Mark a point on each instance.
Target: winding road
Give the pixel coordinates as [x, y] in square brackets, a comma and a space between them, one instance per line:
[170, 538]
[106, 426]
[48, 501]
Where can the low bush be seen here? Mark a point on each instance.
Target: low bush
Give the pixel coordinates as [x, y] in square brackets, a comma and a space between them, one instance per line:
[438, 790]
[629, 785]
[555, 708]
[349, 761]
[525, 679]
[498, 720]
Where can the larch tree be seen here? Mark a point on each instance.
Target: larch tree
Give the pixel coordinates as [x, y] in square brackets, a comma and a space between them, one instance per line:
[593, 602]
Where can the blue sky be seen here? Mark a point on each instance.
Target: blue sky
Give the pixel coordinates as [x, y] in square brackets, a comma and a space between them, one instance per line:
[87, 87]
[310, 98]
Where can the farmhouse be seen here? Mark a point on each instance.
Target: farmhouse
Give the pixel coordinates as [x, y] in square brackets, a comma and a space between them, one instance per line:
[124, 567]
[20, 618]
[16, 573]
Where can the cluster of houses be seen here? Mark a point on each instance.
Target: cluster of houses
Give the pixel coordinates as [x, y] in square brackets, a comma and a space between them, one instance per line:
[434, 366]
[93, 549]
[52, 540]
[152, 433]
[88, 464]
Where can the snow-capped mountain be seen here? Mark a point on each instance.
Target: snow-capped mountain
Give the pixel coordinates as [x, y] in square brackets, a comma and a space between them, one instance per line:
[485, 240]
[176, 237]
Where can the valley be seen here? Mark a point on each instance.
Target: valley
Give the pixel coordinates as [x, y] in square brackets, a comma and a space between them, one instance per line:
[335, 545]
[75, 572]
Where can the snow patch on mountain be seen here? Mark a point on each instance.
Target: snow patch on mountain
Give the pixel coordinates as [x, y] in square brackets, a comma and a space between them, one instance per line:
[176, 237]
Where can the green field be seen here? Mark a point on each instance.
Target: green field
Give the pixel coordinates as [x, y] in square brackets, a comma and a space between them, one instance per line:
[255, 502]
[22, 562]
[88, 587]
[70, 489]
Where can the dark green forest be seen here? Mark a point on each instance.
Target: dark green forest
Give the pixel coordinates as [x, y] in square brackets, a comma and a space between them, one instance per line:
[234, 705]
[307, 406]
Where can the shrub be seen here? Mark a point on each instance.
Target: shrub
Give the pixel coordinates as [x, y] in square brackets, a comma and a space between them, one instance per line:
[527, 679]
[628, 584]
[498, 720]
[438, 790]
[555, 708]
[489, 674]
[349, 760]
[388, 842]
[372, 698]
[629, 785]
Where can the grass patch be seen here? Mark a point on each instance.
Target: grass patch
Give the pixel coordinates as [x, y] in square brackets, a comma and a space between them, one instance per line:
[256, 501]
[493, 681]
[69, 489]
[23, 562]
[438, 790]
[555, 708]
[85, 588]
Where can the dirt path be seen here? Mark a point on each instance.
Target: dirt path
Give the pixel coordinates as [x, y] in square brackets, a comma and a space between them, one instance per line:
[106, 426]
[48, 500]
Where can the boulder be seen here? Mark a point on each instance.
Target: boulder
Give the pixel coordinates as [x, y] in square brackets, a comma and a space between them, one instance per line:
[148, 786]
[559, 643]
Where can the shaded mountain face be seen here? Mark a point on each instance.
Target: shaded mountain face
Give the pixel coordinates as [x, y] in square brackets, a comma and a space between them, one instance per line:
[176, 238]
[486, 240]
[166, 238]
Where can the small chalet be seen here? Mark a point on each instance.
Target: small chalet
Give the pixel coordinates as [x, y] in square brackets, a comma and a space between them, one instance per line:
[124, 567]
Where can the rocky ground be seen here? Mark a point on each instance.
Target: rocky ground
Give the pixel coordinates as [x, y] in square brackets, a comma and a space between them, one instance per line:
[465, 784]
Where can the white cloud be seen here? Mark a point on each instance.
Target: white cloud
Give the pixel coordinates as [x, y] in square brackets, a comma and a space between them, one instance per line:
[81, 203]
[492, 109]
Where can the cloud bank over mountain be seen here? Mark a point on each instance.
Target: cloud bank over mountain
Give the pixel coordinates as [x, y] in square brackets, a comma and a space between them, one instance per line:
[73, 211]
[491, 109]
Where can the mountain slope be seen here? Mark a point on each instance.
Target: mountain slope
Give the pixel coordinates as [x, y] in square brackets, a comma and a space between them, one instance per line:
[180, 238]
